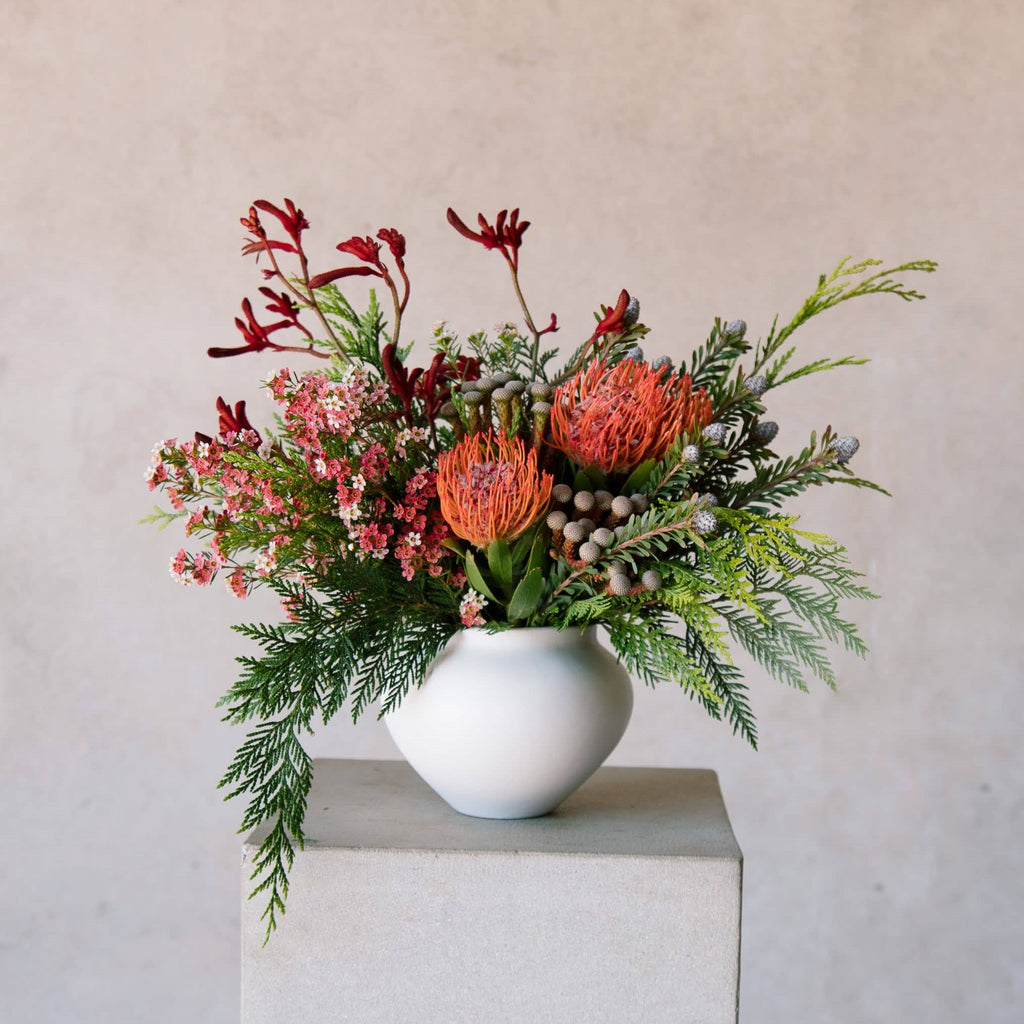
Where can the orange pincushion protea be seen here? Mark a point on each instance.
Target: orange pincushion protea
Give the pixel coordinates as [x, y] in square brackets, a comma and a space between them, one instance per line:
[490, 488]
[616, 418]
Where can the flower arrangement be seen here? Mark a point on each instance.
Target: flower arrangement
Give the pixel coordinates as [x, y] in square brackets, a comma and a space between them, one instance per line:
[394, 505]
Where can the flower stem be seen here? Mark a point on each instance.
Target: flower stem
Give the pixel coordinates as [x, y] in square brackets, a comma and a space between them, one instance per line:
[308, 299]
[389, 281]
[535, 354]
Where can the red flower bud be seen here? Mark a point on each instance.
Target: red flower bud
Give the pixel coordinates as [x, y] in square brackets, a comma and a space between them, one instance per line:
[333, 275]
[395, 242]
[365, 249]
[506, 237]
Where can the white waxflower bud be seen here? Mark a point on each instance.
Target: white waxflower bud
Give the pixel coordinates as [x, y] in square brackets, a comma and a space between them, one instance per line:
[708, 500]
[691, 454]
[704, 523]
[844, 447]
[735, 328]
[764, 432]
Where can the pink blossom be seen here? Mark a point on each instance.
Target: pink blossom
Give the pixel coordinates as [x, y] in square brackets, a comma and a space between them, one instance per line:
[470, 607]
[373, 539]
[236, 583]
[374, 463]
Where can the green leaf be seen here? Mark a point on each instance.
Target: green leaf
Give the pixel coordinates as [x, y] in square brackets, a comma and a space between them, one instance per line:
[527, 596]
[476, 579]
[522, 547]
[639, 477]
[499, 558]
[581, 482]
[454, 544]
[539, 551]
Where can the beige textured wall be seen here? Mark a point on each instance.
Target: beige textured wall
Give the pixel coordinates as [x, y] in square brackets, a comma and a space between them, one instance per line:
[713, 158]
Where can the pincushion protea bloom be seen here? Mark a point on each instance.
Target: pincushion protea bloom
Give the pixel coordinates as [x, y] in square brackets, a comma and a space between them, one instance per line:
[490, 488]
[616, 418]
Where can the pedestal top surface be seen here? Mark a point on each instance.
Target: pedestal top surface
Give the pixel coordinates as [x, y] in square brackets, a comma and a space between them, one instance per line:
[633, 812]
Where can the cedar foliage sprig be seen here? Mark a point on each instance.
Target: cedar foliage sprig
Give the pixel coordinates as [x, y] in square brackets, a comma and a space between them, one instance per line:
[361, 633]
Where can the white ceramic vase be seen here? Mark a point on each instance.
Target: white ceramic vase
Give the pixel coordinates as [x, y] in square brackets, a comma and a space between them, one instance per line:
[507, 725]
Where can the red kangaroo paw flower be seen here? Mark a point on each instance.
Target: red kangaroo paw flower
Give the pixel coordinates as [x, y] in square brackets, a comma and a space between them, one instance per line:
[263, 244]
[395, 242]
[333, 275]
[506, 235]
[434, 386]
[467, 368]
[292, 219]
[217, 352]
[365, 249]
[551, 327]
[403, 383]
[256, 335]
[613, 321]
[282, 304]
[233, 422]
[252, 223]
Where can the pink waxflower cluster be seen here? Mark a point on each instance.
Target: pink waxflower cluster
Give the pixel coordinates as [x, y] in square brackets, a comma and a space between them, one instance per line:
[318, 407]
[470, 607]
[419, 544]
[265, 505]
[195, 570]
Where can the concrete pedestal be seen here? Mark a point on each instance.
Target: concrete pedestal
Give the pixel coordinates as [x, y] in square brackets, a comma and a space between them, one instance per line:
[623, 906]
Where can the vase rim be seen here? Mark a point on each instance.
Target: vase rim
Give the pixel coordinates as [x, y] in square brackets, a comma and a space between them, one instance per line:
[477, 636]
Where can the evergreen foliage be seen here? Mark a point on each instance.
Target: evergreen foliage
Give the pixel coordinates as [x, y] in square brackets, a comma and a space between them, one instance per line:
[361, 633]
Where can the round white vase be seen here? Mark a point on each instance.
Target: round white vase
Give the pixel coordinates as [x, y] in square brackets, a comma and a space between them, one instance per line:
[507, 725]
